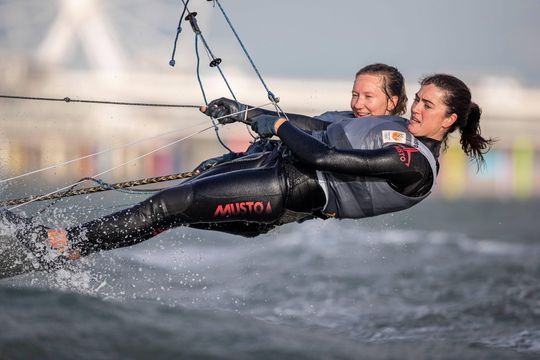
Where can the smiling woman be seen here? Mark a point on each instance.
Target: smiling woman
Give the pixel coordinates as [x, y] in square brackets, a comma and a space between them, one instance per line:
[378, 89]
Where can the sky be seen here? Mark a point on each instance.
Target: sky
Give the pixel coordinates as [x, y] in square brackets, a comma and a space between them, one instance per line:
[472, 39]
[334, 38]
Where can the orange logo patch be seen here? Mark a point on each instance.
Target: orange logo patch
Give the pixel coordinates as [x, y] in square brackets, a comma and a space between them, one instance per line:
[390, 136]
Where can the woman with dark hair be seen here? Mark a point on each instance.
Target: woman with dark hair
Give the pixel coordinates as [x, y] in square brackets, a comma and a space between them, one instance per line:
[461, 113]
[342, 168]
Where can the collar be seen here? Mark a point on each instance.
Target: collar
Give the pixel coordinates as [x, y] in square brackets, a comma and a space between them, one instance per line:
[433, 145]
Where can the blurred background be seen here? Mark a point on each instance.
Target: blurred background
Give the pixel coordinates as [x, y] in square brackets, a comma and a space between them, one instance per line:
[307, 52]
[454, 277]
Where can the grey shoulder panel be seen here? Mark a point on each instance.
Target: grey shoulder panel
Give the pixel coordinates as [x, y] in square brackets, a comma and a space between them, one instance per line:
[334, 116]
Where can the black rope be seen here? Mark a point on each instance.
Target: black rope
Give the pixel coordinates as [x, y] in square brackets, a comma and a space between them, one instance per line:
[191, 17]
[214, 62]
[198, 71]
[216, 129]
[68, 100]
[172, 62]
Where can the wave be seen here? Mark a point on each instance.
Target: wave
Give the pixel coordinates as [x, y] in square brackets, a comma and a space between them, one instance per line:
[49, 324]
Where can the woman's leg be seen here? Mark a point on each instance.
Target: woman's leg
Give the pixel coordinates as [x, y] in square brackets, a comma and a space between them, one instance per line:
[251, 195]
[242, 201]
[304, 200]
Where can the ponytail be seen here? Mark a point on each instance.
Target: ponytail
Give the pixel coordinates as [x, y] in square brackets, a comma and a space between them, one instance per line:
[472, 143]
[458, 101]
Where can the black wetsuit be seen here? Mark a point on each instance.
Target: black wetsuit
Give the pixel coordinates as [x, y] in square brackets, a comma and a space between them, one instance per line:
[255, 192]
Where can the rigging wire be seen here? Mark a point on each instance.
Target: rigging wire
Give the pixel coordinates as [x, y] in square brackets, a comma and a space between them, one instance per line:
[71, 186]
[115, 167]
[199, 72]
[216, 129]
[172, 62]
[108, 102]
[271, 95]
[215, 62]
[97, 153]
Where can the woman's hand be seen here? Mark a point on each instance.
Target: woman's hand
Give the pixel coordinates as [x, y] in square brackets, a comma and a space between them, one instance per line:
[266, 125]
[227, 111]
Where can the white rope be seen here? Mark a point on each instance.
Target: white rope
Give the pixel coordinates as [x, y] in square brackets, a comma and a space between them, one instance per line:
[97, 153]
[134, 159]
[113, 149]
[115, 167]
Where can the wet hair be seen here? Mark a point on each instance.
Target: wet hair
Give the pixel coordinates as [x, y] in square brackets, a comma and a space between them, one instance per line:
[393, 84]
[458, 101]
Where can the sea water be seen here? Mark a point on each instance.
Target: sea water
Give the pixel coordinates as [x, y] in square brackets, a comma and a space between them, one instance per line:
[444, 280]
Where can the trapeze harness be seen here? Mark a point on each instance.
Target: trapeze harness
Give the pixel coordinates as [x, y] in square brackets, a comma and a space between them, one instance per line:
[351, 196]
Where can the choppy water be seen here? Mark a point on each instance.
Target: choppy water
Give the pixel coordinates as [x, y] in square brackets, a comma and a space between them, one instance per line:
[442, 281]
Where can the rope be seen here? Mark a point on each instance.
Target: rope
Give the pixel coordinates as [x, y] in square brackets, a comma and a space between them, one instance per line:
[271, 96]
[198, 70]
[37, 198]
[197, 30]
[100, 182]
[172, 62]
[191, 17]
[114, 168]
[68, 100]
[117, 148]
[217, 65]
[216, 130]
[96, 154]
[103, 187]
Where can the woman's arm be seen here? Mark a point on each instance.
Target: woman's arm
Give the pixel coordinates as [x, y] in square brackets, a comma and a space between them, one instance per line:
[239, 112]
[406, 169]
[300, 121]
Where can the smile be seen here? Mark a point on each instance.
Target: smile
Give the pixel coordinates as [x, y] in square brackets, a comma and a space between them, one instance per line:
[362, 114]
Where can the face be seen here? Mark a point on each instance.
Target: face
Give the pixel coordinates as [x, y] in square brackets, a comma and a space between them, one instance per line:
[368, 97]
[429, 116]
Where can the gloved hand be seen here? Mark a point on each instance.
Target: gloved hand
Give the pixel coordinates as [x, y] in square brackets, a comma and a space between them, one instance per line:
[223, 106]
[264, 125]
[210, 163]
